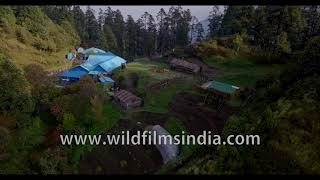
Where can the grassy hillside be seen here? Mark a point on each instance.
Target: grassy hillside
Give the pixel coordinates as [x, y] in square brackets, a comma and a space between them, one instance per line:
[242, 70]
[138, 75]
[28, 41]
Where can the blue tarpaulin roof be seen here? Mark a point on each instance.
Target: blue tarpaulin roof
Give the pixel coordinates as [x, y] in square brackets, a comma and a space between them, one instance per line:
[92, 50]
[93, 72]
[94, 60]
[96, 63]
[111, 64]
[105, 54]
[69, 56]
[102, 63]
[75, 72]
[105, 79]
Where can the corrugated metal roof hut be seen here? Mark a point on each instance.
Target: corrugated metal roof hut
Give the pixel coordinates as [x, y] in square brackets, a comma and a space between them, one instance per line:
[83, 55]
[227, 91]
[185, 66]
[127, 99]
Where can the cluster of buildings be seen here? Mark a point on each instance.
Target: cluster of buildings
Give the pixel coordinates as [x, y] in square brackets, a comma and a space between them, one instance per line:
[99, 64]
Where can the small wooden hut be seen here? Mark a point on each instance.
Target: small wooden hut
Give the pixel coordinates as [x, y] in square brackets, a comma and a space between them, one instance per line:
[184, 66]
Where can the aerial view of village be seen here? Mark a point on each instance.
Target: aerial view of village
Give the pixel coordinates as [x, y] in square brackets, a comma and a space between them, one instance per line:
[174, 70]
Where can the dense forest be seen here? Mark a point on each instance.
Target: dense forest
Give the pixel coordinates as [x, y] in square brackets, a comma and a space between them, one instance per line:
[283, 109]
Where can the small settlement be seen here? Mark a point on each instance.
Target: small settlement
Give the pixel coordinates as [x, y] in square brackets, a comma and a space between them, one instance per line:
[99, 64]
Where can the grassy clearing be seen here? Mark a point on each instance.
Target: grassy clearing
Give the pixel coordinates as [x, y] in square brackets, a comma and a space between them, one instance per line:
[143, 69]
[241, 70]
[158, 101]
[154, 101]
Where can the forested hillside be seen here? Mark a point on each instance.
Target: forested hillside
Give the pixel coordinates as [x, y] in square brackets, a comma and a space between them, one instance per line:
[271, 52]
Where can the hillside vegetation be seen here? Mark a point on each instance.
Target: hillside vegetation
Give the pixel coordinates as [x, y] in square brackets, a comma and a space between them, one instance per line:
[270, 52]
[28, 36]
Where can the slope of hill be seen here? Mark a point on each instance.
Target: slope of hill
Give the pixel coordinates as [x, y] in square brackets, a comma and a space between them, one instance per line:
[28, 36]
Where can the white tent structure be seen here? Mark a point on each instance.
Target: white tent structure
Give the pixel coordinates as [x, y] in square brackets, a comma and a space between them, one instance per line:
[168, 151]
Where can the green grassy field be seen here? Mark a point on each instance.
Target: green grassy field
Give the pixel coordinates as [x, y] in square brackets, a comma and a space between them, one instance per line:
[157, 100]
[241, 70]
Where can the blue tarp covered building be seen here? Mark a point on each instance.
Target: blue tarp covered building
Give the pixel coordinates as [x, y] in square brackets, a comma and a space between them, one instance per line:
[105, 79]
[83, 55]
[101, 62]
[69, 56]
[92, 50]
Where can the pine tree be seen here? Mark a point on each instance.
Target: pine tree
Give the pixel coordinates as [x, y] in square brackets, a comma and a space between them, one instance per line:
[163, 31]
[199, 32]
[130, 37]
[193, 32]
[237, 19]
[118, 29]
[102, 41]
[101, 18]
[79, 20]
[215, 20]
[110, 39]
[92, 27]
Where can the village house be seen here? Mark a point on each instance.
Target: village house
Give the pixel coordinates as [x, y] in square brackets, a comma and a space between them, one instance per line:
[221, 90]
[127, 100]
[184, 66]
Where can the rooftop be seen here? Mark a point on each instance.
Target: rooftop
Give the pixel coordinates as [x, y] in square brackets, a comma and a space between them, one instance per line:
[184, 63]
[219, 86]
[92, 50]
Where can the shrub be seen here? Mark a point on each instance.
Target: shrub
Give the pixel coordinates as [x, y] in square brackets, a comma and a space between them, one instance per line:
[7, 15]
[265, 57]
[23, 35]
[311, 55]
[237, 42]
[14, 90]
[208, 48]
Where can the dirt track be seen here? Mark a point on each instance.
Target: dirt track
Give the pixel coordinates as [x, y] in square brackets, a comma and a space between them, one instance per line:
[196, 116]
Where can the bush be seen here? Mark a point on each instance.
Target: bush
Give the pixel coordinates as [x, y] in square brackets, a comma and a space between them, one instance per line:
[23, 35]
[7, 15]
[265, 57]
[311, 55]
[209, 48]
[15, 93]
[4, 138]
[226, 42]
[237, 42]
[181, 53]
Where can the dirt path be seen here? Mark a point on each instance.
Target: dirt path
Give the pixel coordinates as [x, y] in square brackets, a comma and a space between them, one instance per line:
[196, 116]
